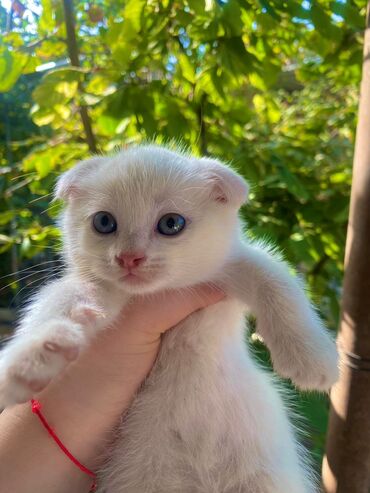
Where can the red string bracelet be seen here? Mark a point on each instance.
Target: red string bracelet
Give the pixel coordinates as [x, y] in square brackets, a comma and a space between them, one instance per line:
[36, 409]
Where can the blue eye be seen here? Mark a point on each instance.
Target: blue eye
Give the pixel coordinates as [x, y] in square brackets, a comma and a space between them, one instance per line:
[171, 224]
[104, 223]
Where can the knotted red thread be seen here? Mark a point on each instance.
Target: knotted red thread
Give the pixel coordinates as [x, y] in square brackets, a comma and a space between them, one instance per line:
[36, 409]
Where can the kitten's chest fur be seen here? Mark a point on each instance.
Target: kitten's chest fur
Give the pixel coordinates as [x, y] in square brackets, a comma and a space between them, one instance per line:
[191, 374]
[194, 426]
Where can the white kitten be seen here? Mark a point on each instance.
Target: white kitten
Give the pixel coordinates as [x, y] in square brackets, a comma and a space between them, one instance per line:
[208, 419]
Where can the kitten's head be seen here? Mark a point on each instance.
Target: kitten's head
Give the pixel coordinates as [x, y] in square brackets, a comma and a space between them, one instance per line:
[149, 218]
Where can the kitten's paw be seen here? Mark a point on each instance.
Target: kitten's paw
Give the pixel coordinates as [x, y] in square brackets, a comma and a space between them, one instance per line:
[26, 367]
[87, 314]
[309, 368]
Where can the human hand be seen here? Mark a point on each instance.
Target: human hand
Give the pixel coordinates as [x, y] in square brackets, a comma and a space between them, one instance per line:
[85, 403]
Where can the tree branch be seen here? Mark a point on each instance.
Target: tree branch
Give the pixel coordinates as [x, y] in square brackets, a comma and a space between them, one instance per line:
[202, 127]
[346, 465]
[74, 57]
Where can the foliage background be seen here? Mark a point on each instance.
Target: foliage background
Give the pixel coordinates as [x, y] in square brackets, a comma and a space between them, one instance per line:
[270, 85]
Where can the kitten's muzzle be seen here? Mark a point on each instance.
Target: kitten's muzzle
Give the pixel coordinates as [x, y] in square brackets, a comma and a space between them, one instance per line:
[130, 261]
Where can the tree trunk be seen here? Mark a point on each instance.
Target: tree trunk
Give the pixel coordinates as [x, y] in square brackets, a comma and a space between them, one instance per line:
[73, 55]
[346, 467]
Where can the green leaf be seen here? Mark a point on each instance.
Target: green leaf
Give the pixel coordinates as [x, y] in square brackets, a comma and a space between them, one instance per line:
[323, 23]
[133, 14]
[257, 81]
[46, 22]
[270, 9]
[6, 217]
[292, 183]
[11, 67]
[58, 87]
[107, 125]
[43, 166]
[341, 177]
[197, 6]
[231, 18]
[6, 239]
[235, 57]
[350, 14]
[186, 67]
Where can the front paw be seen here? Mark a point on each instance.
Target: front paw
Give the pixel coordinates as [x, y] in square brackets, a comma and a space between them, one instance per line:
[28, 365]
[309, 367]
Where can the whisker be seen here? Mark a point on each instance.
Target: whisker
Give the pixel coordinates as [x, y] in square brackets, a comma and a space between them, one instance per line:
[42, 197]
[31, 267]
[24, 174]
[40, 279]
[27, 276]
[53, 206]
[45, 247]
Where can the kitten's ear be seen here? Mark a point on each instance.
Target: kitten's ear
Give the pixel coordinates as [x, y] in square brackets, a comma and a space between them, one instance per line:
[226, 185]
[71, 182]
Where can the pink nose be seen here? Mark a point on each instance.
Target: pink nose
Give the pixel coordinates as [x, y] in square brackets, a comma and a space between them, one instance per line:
[130, 260]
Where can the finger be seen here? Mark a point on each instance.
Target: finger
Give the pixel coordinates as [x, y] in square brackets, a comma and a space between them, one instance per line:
[173, 306]
[161, 311]
[202, 296]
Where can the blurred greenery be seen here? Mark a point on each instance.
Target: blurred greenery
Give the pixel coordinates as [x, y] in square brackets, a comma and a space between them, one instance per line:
[269, 85]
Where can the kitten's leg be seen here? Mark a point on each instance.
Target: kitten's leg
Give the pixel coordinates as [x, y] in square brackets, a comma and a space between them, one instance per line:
[277, 482]
[57, 325]
[300, 346]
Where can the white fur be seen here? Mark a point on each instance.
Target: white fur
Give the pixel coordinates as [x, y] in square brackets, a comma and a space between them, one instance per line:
[207, 419]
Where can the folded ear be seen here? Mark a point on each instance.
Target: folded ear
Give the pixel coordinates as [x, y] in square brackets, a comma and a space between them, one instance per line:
[226, 186]
[71, 182]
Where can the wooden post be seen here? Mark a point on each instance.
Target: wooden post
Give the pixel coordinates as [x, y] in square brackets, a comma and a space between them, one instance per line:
[73, 55]
[346, 467]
